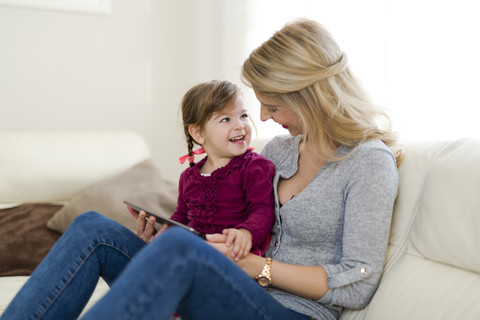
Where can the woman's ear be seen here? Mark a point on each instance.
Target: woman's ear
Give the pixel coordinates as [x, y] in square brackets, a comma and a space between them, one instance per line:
[196, 134]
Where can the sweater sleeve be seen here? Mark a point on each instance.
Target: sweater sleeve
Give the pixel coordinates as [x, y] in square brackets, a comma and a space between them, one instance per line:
[258, 183]
[369, 197]
[181, 213]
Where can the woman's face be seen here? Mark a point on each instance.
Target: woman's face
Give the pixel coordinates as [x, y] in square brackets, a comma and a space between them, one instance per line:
[271, 108]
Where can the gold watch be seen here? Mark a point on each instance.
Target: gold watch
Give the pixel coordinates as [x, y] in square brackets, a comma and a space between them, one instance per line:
[265, 277]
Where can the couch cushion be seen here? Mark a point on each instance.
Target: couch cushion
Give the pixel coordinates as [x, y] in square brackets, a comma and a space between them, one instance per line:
[432, 270]
[419, 289]
[447, 226]
[25, 238]
[142, 184]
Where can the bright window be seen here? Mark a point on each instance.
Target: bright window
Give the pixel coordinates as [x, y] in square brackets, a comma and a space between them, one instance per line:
[417, 58]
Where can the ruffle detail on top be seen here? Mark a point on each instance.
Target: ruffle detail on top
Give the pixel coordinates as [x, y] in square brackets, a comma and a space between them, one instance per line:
[202, 216]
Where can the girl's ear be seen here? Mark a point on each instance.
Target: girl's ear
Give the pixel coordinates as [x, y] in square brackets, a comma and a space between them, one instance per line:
[196, 134]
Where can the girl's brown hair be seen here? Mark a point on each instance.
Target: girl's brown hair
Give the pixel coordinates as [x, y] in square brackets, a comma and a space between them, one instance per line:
[201, 102]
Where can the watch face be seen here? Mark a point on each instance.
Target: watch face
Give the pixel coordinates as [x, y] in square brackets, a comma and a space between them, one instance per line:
[264, 281]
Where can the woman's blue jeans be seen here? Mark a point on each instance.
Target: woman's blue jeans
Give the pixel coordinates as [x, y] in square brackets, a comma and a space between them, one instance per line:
[177, 272]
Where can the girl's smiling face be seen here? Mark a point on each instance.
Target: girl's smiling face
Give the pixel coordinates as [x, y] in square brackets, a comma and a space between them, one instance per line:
[226, 134]
[271, 108]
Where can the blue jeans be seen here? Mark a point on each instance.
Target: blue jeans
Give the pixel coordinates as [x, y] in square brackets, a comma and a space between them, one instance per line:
[177, 272]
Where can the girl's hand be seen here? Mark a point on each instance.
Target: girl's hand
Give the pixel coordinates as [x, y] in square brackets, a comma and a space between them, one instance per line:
[240, 241]
[145, 227]
[235, 244]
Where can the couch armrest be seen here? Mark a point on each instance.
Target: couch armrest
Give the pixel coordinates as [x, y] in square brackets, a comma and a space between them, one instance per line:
[54, 166]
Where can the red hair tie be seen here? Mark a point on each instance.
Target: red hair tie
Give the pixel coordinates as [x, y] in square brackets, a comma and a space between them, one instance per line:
[196, 152]
[192, 157]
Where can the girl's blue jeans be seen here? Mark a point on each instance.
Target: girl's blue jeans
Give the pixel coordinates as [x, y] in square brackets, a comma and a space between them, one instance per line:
[177, 272]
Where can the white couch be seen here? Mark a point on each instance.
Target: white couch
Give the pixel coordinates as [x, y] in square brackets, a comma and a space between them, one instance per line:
[433, 263]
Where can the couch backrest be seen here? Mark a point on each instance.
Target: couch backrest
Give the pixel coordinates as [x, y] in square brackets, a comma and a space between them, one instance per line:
[54, 166]
[433, 264]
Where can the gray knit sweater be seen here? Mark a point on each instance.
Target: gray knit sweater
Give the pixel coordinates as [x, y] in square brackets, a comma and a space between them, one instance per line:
[340, 221]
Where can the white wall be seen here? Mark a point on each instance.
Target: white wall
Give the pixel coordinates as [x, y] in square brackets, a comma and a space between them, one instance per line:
[130, 69]
[417, 59]
[127, 70]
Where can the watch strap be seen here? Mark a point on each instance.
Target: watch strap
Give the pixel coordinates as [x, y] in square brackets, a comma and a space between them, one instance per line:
[265, 277]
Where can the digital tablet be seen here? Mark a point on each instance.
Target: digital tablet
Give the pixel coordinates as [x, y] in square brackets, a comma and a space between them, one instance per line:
[162, 220]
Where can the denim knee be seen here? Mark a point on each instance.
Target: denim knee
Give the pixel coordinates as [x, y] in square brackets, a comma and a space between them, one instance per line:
[177, 241]
[87, 220]
[95, 224]
[179, 236]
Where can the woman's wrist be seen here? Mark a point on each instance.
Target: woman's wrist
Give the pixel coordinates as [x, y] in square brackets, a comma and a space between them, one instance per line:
[251, 264]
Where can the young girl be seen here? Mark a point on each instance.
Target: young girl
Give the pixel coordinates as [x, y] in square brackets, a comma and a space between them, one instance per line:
[230, 191]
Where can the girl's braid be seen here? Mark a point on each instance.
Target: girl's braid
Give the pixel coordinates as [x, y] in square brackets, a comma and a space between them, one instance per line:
[190, 148]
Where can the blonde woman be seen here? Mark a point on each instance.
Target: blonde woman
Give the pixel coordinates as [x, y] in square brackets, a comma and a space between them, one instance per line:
[335, 185]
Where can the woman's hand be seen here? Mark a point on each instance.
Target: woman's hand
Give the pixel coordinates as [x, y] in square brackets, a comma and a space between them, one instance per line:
[217, 241]
[251, 264]
[146, 227]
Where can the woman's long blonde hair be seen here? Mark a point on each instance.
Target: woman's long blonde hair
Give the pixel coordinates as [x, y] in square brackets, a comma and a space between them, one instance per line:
[303, 67]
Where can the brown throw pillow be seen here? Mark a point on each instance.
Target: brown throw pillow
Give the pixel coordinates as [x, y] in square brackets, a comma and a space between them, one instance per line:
[142, 185]
[24, 237]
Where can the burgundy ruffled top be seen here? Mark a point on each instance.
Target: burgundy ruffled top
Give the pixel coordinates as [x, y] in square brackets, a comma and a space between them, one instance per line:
[239, 195]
